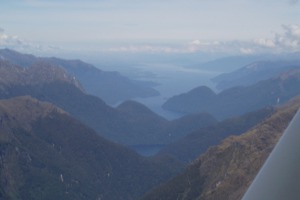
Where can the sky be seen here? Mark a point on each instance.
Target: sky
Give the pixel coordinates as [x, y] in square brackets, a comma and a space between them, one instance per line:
[159, 26]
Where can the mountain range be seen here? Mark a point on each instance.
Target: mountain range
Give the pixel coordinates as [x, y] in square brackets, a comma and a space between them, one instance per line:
[111, 87]
[131, 123]
[231, 63]
[226, 171]
[254, 72]
[58, 141]
[240, 99]
[47, 154]
[197, 142]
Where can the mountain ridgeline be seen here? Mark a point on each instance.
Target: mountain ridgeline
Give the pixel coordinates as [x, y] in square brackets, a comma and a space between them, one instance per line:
[111, 87]
[226, 171]
[47, 154]
[197, 142]
[60, 140]
[240, 99]
[131, 123]
[254, 72]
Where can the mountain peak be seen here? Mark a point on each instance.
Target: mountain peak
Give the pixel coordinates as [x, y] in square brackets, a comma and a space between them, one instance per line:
[203, 90]
[133, 106]
[39, 73]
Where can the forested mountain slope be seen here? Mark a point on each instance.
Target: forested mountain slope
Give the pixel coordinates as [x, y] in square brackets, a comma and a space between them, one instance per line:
[197, 142]
[225, 171]
[46, 154]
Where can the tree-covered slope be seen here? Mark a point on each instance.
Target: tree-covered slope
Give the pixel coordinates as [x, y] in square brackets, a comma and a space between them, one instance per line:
[197, 142]
[46, 154]
[225, 171]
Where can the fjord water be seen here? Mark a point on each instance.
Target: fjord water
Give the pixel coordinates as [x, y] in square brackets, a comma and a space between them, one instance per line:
[172, 80]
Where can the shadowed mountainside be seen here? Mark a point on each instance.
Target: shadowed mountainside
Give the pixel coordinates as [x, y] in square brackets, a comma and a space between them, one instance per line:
[197, 142]
[46, 154]
[225, 171]
[164, 131]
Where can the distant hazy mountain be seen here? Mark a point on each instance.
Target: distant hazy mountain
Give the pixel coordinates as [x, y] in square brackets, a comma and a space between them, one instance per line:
[112, 87]
[131, 123]
[253, 73]
[225, 171]
[197, 142]
[238, 100]
[46, 154]
[231, 63]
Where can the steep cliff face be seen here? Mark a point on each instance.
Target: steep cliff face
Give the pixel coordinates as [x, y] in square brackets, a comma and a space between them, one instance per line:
[225, 171]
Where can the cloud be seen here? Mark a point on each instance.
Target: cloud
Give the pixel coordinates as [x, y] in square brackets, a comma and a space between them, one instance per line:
[188, 47]
[247, 51]
[14, 42]
[196, 42]
[293, 2]
[265, 42]
[288, 40]
[292, 30]
[202, 45]
[147, 48]
[9, 41]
